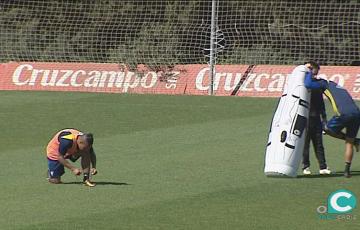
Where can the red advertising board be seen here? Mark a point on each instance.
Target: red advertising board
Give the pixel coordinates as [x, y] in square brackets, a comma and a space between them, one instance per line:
[261, 81]
[87, 77]
[226, 78]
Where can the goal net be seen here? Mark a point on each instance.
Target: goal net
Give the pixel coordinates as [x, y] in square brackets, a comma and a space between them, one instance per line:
[165, 37]
[161, 33]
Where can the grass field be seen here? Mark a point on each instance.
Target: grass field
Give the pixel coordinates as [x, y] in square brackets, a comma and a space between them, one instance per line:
[165, 162]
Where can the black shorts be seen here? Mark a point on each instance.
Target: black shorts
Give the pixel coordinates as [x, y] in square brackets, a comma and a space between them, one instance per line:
[351, 122]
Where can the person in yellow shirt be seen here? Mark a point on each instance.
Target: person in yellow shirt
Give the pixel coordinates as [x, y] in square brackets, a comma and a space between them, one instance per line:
[345, 124]
[71, 144]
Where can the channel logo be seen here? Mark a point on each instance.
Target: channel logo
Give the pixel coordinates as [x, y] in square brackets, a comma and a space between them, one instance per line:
[340, 205]
[341, 202]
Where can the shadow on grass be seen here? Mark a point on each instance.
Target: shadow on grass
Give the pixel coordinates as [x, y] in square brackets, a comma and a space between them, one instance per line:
[99, 183]
[337, 174]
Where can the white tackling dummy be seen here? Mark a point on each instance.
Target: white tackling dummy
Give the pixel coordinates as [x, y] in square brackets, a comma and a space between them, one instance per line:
[288, 128]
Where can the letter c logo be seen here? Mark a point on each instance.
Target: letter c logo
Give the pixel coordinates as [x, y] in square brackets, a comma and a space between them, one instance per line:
[341, 201]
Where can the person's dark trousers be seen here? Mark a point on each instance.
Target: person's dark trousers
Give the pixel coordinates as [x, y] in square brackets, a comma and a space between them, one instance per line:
[314, 134]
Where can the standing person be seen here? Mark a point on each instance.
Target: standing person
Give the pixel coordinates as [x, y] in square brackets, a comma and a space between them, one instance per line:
[317, 117]
[347, 115]
[71, 144]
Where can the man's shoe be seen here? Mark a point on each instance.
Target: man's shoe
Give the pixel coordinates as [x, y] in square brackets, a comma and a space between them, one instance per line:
[54, 180]
[347, 174]
[89, 183]
[326, 171]
[307, 171]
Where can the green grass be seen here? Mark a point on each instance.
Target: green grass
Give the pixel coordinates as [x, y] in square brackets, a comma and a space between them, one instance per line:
[165, 162]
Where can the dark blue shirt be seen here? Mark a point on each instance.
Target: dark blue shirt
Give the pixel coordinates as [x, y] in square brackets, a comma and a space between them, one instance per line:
[340, 99]
[65, 144]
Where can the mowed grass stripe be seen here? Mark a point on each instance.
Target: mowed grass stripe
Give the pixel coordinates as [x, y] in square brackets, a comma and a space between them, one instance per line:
[224, 209]
[106, 114]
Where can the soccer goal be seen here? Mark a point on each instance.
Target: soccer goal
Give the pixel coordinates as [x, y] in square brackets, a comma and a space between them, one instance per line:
[162, 34]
